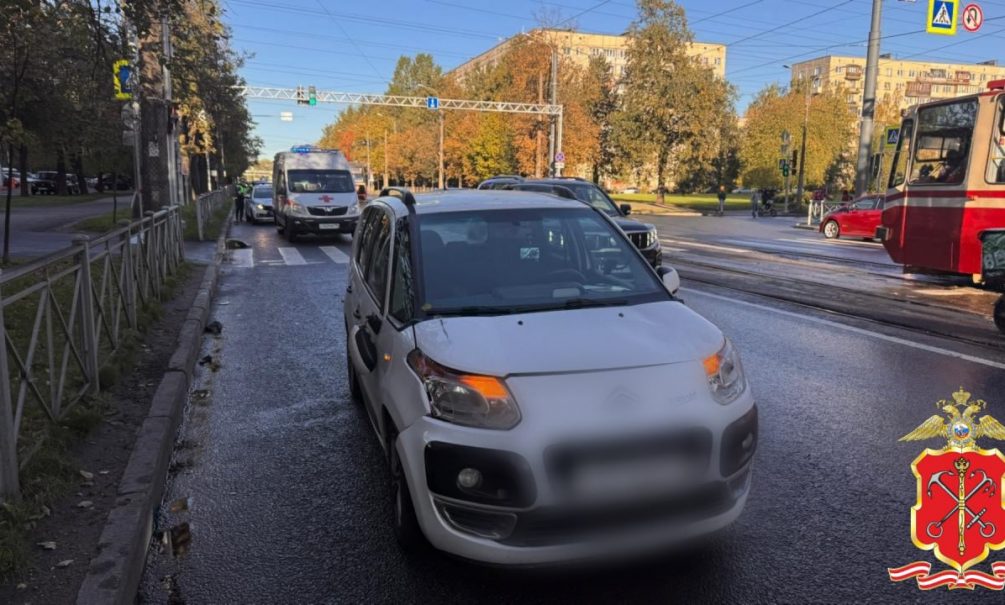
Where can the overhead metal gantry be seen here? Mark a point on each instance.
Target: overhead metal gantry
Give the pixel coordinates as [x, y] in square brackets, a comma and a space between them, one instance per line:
[355, 98]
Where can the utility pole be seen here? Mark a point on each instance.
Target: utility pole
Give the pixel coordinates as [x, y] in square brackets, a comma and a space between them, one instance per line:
[369, 174]
[537, 152]
[171, 138]
[554, 100]
[441, 149]
[801, 181]
[387, 181]
[868, 101]
[153, 148]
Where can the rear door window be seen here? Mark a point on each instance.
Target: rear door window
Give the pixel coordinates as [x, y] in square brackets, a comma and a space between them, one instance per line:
[380, 258]
[364, 248]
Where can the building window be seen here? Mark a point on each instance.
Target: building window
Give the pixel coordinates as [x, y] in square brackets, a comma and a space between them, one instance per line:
[900, 73]
[886, 86]
[911, 74]
[889, 71]
[816, 71]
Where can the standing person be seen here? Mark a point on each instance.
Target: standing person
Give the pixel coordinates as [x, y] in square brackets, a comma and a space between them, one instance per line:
[722, 199]
[239, 204]
[755, 201]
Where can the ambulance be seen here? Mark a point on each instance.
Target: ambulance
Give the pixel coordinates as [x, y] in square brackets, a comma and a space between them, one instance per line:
[313, 193]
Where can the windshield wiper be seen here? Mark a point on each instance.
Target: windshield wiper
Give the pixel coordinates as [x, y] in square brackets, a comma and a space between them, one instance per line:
[582, 303]
[471, 310]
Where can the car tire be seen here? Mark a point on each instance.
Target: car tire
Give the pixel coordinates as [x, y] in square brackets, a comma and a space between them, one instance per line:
[291, 235]
[405, 523]
[832, 230]
[773, 212]
[1000, 314]
[279, 228]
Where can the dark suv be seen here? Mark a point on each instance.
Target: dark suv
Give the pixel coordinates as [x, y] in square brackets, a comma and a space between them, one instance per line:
[643, 235]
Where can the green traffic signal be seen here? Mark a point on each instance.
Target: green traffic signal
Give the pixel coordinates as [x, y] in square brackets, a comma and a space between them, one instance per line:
[312, 96]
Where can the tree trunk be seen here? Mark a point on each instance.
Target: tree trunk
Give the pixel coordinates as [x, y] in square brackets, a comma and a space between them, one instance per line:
[78, 169]
[61, 171]
[6, 213]
[22, 161]
[661, 162]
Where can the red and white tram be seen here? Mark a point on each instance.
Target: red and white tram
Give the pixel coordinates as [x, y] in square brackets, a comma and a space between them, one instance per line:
[947, 185]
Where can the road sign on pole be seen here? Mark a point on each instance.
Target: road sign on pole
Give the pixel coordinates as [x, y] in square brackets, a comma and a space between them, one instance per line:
[941, 17]
[560, 158]
[973, 17]
[286, 116]
[891, 136]
[122, 71]
[432, 102]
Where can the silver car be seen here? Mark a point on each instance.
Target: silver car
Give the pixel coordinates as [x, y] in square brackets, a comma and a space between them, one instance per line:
[258, 207]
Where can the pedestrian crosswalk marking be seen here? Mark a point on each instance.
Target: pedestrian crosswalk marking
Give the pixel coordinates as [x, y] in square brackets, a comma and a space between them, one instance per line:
[292, 256]
[335, 254]
[244, 258]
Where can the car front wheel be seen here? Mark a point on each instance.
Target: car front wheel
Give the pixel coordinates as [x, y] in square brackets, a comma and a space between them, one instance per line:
[406, 526]
[832, 230]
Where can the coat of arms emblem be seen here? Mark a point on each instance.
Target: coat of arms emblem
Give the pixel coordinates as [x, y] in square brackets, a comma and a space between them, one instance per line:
[960, 510]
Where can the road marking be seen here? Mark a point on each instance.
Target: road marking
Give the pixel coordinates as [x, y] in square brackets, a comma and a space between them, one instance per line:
[877, 335]
[335, 254]
[836, 242]
[699, 245]
[244, 258]
[292, 256]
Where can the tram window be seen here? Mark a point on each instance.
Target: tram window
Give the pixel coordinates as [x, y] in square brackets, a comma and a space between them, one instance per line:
[903, 153]
[943, 143]
[996, 165]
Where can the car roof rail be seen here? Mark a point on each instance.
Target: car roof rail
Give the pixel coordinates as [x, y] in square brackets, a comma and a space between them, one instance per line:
[402, 193]
[505, 176]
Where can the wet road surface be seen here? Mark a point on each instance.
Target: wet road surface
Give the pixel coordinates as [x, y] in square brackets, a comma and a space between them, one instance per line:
[37, 231]
[286, 495]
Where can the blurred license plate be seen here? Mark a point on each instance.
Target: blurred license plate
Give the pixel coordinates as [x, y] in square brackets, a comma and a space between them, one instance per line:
[326, 226]
[638, 476]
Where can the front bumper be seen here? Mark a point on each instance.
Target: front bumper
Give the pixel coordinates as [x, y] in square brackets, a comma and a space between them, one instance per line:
[533, 523]
[654, 256]
[321, 226]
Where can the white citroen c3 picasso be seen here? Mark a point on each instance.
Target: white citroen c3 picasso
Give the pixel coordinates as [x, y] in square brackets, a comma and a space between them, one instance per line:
[540, 391]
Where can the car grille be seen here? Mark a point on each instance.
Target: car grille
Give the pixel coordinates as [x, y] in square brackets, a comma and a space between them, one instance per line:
[327, 210]
[643, 239]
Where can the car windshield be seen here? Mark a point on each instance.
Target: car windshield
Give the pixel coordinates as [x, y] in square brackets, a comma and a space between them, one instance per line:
[593, 196]
[320, 181]
[262, 192]
[505, 261]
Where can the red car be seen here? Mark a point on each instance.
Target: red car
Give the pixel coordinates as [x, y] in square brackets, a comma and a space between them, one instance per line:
[857, 219]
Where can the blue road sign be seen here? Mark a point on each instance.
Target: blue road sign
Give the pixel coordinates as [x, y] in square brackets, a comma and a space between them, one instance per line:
[432, 102]
[892, 136]
[942, 17]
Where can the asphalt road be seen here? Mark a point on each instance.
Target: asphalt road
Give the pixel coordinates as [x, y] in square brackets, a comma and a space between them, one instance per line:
[43, 230]
[284, 489]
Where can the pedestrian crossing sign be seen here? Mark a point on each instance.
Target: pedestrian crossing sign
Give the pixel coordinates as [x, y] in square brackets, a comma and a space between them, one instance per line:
[942, 17]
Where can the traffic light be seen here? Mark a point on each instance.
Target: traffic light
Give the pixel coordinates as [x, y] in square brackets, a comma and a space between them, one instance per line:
[312, 96]
[785, 170]
[795, 159]
[301, 99]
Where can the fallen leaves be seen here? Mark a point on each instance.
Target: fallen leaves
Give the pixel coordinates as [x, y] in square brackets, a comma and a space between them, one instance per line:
[47, 545]
[63, 564]
[85, 504]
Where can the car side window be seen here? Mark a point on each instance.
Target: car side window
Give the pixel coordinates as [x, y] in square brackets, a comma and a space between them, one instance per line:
[380, 258]
[365, 235]
[402, 282]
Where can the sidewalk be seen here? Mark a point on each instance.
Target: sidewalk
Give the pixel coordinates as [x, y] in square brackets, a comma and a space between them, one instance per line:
[661, 210]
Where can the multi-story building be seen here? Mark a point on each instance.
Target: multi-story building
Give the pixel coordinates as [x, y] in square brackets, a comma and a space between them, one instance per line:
[580, 46]
[911, 82]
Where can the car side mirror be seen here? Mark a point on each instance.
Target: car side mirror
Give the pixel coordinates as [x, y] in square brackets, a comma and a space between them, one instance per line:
[626, 209]
[671, 279]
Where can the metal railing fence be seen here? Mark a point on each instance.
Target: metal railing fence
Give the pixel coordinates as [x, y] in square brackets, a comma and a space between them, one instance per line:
[64, 316]
[208, 204]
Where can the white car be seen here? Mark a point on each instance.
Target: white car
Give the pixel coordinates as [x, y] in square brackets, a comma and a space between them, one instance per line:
[258, 206]
[541, 393]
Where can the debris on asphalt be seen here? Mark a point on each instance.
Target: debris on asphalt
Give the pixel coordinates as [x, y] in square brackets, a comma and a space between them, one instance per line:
[86, 475]
[179, 505]
[214, 327]
[47, 545]
[206, 359]
[85, 504]
[65, 563]
[236, 244]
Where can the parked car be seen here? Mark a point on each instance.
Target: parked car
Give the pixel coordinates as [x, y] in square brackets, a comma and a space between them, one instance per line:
[501, 181]
[630, 190]
[119, 183]
[643, 235]
[11, 179]
[858, 219]
[259, 206]
[541, 394]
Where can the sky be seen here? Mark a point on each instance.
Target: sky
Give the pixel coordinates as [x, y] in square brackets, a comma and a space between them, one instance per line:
[353, 45]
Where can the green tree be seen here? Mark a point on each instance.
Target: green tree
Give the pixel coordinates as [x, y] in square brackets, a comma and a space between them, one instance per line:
[670, 102]
[830, 133]
[491, 150]
[601, 102]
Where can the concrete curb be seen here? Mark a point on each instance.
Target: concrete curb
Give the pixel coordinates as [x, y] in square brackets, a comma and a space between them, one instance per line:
[806, 227]
[114, 573]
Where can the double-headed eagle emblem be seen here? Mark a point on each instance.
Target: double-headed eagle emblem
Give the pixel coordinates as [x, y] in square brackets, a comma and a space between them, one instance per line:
[963, 429]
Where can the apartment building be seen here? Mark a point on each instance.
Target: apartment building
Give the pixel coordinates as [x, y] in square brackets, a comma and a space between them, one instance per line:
[912, 82]
[580, 46]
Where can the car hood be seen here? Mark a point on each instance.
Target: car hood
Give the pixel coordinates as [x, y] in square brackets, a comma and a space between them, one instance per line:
[629, 225]
[568, 341]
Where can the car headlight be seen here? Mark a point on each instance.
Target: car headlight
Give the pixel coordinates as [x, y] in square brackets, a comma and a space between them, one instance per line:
[261, 206]
[725, 374]
[297, 209]
[466, 399]
[353, 209]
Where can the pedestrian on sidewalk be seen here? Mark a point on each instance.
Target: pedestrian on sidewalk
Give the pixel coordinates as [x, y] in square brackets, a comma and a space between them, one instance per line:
[239, 204]
[755, 202]
[722, 199]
